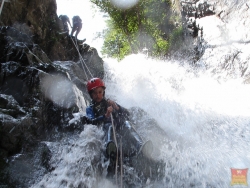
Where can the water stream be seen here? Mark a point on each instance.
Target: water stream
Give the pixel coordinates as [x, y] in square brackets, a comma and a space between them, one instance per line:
[203, 113]
[205, 124]
[206, 120]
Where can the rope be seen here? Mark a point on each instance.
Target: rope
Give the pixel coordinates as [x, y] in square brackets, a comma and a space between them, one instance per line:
[35, 55]
[3, 1]
[82, 60]
[121, 162]
[114, 134]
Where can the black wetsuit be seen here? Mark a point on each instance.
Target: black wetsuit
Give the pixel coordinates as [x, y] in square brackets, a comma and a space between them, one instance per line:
[132, 142]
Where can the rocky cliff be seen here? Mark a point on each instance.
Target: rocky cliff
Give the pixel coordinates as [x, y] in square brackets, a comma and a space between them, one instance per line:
[42, 74]
[39, 21]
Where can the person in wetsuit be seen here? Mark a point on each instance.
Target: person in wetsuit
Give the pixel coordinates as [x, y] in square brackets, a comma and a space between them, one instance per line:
[77, 26]
[65, 21]
[102, 111]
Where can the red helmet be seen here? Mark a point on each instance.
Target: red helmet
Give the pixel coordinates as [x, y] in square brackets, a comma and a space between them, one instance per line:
[94, 83]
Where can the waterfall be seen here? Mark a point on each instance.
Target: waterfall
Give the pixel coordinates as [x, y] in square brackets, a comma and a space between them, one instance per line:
[202, 109]
[206, 120]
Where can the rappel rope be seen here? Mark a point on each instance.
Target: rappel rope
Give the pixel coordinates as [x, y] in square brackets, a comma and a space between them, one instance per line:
[121, 163]
[82, 61]
[3, 1]
[114, 134]
[35, 55]
[112, 120]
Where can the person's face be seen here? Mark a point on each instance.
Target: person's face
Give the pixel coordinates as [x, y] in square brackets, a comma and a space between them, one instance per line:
[97, 94]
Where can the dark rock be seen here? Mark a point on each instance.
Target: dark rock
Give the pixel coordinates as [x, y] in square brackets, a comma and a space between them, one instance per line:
[42, 83]
[29, 43]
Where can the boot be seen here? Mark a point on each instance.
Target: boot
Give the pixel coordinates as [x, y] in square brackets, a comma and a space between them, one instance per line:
[111, 150]
[111, 153]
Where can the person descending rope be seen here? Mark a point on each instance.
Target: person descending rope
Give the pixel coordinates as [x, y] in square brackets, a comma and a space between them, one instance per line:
[105, 112]
[77, 25]
[65, 21]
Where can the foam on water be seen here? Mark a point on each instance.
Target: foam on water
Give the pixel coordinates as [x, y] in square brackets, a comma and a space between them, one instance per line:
[206, 123]
[206, 120]
[76, 161]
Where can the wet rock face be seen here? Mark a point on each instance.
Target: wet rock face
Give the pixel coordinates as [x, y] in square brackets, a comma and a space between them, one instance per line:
[25, 112]
[37, 22]
[30, 40]
[38, 106]
[15, 125]
[19, 47]
[35, 18]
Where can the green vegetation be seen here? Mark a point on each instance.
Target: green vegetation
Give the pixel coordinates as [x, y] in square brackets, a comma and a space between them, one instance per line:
[150, 24]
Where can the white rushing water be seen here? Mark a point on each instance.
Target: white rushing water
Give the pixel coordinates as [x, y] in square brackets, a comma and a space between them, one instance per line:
[203, 110]
[206, 123]
[206, 119]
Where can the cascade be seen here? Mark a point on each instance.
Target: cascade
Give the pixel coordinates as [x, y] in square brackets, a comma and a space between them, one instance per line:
[206, 124]
[206, 121]
[203, 112]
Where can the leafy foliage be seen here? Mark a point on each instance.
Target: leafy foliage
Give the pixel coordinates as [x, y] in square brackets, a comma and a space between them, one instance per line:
[147, 24]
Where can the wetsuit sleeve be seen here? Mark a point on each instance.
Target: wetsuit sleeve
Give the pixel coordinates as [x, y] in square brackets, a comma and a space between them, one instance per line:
[90, 113]
[121, 115]
[91, 117]
[123, 111]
